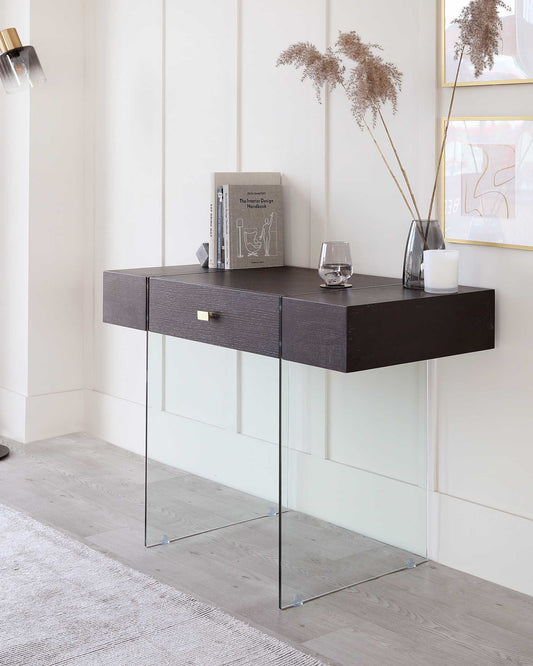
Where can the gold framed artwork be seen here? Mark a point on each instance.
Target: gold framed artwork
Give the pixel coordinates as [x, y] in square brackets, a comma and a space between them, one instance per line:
[514, 63]
[487, 196]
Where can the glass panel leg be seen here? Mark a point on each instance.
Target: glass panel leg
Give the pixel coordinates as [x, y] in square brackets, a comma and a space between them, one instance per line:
[353, 468]
[211, 438]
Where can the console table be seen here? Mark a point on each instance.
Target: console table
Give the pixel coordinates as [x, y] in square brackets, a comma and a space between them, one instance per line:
[282, 314]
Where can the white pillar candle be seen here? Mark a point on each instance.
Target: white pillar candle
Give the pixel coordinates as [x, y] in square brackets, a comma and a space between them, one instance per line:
[441, 269]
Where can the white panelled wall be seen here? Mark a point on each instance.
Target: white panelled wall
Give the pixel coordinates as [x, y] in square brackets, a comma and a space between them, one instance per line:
[125, 69]
[162, 93]
[484, 402]
[41, 238]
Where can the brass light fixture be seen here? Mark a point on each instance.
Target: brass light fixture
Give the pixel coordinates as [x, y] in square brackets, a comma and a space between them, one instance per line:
[19, 69]
[19, 65]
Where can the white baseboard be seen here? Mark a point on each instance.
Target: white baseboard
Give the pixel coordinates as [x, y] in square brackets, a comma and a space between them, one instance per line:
[481, 541]
[120, 422]
[26, 419]
[12, 415]
[54, 414]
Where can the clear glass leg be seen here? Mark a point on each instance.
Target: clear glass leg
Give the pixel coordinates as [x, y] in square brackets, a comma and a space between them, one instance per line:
[353, 477]
[211, 438]
[233, 437]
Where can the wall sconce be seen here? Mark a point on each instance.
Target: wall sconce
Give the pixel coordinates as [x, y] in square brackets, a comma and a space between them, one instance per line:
[19, 65]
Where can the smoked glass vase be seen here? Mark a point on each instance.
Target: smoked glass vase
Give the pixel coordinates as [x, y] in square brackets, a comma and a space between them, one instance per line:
[422, 236]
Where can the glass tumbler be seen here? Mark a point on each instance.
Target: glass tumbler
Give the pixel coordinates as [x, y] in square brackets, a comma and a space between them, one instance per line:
[335, 266]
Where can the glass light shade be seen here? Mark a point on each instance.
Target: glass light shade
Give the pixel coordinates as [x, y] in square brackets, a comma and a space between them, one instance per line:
[20, 68]
[19, 65]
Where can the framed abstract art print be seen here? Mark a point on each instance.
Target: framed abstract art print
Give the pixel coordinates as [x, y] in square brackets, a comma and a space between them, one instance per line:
[514, 63]
[488, 182]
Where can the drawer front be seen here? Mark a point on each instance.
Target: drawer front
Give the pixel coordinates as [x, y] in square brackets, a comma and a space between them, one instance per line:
[242, 320]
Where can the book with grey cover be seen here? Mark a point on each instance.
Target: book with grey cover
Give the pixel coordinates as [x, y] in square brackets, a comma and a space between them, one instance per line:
[253, 226]
[220, 178]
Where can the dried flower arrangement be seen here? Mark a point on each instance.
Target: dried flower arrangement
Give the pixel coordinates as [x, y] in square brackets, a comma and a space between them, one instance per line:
[372, 82]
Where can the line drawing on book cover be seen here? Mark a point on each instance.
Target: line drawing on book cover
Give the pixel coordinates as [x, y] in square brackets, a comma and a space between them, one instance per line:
[253, 241]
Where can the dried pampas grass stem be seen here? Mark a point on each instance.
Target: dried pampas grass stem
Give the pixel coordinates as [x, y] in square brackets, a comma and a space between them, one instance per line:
[389, 168]
[443, 143]
[400, 165]
[371, 82]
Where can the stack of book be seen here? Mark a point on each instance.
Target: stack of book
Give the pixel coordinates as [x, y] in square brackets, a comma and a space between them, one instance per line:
[246, 223]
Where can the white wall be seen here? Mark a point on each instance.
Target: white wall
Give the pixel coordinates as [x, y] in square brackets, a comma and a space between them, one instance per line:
[14, 234]
[485, 440]
[175, 90]
[42, 181]
[56, 215]
[125, 98]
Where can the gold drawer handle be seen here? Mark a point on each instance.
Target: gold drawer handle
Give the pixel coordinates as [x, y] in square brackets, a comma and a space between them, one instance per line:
[204, 315]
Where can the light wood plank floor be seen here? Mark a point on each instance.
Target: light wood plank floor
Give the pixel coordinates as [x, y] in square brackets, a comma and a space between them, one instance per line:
[431, 615]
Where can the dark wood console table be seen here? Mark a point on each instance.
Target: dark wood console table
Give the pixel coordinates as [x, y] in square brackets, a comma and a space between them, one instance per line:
[282, 313]
[375, 324]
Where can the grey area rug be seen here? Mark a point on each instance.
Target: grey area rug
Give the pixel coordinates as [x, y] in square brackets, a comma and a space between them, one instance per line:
[64, 603]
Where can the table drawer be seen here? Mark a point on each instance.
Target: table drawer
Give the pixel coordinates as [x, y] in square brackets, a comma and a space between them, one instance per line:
[242, 320]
